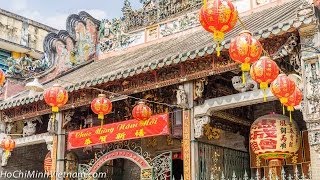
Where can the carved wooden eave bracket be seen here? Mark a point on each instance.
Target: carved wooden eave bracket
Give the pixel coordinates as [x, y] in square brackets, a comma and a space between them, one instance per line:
[211, 107]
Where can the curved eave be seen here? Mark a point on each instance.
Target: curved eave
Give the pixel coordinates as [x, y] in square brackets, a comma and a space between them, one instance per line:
[178, 58]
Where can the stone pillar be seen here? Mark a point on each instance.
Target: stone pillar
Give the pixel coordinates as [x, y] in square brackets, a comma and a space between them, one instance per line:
[189, 146]
[61, 144]
[310, 65]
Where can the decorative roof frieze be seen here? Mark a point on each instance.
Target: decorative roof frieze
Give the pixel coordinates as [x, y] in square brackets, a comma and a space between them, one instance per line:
[184, 50]
[155, 11]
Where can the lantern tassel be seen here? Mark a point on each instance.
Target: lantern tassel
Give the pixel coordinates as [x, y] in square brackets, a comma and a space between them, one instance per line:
[283, 111]
[243, 78]
[290, 116]
[218, 49]
[55, 109]
[245, 67]
[6, 154]
[101, 122]
[264, 86]
[218, 37]
[205, 2]
[290, 109]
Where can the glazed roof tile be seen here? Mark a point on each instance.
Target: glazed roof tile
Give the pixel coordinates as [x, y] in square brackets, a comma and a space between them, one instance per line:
[272, 21]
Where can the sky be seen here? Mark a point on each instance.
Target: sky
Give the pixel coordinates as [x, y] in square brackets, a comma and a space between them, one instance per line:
[55, 12]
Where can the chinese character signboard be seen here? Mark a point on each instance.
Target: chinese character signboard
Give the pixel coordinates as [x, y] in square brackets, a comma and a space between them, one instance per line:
[132, 129]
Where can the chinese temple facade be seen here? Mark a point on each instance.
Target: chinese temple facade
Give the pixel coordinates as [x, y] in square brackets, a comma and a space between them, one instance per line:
[202, 109]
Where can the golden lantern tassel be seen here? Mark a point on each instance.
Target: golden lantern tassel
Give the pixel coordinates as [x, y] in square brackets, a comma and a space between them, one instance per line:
[290, 109]
[243, 78]
[101, 122]
[264, 86]
[290, 116]
[6, 154]
[283, 111]
[264, 95]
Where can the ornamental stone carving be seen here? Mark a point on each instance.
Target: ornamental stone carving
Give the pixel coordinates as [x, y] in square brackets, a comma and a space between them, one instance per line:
[199, 123]
[249, 84]
[199, 88]
[25, 67]
[290, 49]
[68, 116]
[185, 22]
[52, 125]
[112, 36]
[155, 11]
[30, 128]
[182, 97]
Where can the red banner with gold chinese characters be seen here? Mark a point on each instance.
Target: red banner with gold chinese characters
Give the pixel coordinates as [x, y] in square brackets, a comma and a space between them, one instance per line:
[132, 129]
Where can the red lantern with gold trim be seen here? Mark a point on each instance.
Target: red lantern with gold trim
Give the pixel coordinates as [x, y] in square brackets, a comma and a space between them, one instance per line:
[264, 71]
[218, 17]
[2, 77]
[141, 112]
[56, 97]
[293, 100]
[282, 87]
[245, 49]
[101, 106]
[8, 145]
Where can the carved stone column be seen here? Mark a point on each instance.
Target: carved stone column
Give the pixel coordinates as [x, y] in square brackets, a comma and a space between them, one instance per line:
[189, 146]
[309, 38]
[61, 145]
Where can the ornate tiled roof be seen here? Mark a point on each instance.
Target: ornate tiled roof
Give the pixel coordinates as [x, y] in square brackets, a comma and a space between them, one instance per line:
[270, 22]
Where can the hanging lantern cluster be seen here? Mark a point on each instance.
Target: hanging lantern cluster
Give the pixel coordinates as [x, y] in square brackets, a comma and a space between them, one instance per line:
[288, 93]
[245, 49]
[101, 106]
[218, 17]
[56, 97]
[141, 112]
[8, 145]
[264, 71]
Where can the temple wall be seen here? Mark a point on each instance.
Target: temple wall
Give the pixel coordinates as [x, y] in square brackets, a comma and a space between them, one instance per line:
[22, 31]
[26, 158]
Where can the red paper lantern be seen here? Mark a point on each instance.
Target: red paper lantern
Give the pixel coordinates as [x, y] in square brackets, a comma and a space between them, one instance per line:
[55, 97]
[141, 112]
[264, 71]
[8, 145]
[282, 87]
[218, 17]
[293, 100]
[245, 49]
[269, 141]
[101, 106]
[2, 77]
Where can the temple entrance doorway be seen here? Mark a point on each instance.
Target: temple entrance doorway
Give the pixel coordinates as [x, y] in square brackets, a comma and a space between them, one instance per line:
[120, 169]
